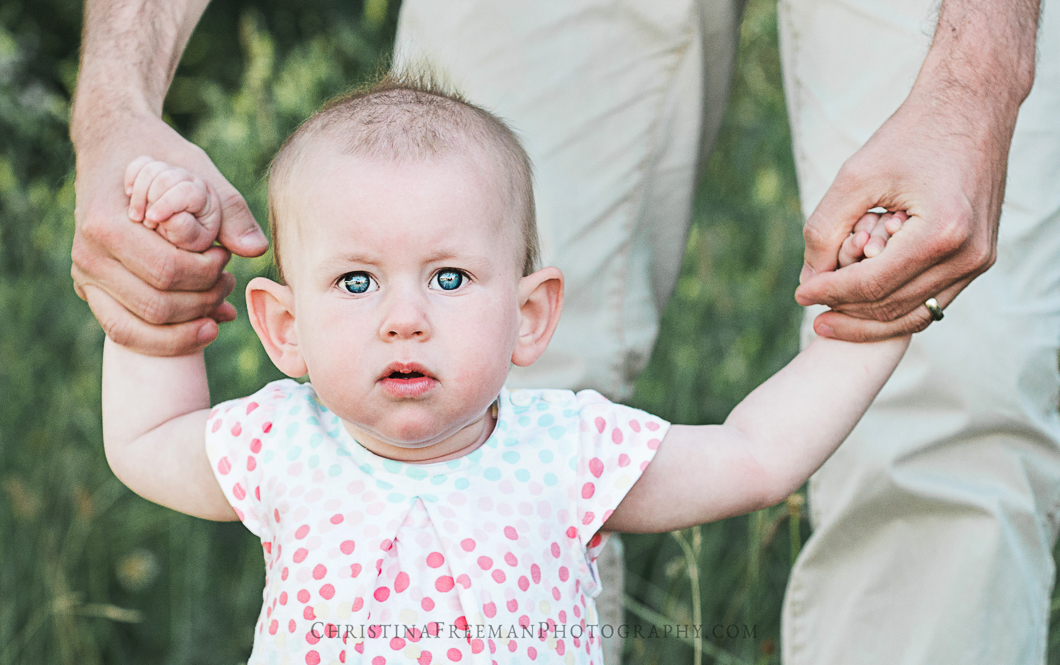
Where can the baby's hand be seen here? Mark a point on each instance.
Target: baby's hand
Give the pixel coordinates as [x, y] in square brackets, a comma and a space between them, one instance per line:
[870, 236]
[183, 209]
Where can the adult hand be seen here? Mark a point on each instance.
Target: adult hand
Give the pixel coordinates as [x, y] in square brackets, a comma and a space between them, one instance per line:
[941, 159]
[147, 294]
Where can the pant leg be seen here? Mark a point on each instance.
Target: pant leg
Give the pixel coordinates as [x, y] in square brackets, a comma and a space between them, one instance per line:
[934, 523]
[616, 103]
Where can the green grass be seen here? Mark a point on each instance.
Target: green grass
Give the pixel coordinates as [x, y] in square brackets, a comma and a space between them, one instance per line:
[91, 574]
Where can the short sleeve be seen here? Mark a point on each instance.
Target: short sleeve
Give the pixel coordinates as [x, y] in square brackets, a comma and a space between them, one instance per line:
[238, 432]
[616, 444]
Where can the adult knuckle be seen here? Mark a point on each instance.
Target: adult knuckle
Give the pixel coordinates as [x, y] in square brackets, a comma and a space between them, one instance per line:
[165, 272]
[872, 289]
[118, 330]
[156, 309]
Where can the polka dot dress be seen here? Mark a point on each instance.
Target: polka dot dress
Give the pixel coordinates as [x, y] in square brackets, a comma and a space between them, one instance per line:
[489, 558]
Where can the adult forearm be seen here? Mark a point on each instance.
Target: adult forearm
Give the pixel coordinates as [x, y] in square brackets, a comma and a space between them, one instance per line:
[129, 53]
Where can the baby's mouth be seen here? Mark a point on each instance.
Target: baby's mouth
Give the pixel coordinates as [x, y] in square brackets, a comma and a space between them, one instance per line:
[403, 380]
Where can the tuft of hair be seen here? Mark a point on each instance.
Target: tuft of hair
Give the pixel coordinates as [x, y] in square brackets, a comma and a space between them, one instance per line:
[408, 115]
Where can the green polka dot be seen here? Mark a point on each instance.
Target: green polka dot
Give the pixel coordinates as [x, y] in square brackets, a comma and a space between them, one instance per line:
[267, 457]
[437, 480]
[545, 456]
[292, 429]
[511, 457]
[520, 409]
[523, 475]
[542, 406]
[312, 420]
[415, 473]
[524, 421]
[545, 420]
[502, 425]
[394, 497]
[316, 440]
[510, 441]
[367, 469]
[383, 485]
[453, 463]
[295, 409]
[342, 452]
[429, 497]
[462, 483]
[392, 466]
[557, 432]
[573, 464]
[550, 479]
[569, 413]
[475, 455]
[334, 470]
[492, 473]
[313, 461]
[294, 452]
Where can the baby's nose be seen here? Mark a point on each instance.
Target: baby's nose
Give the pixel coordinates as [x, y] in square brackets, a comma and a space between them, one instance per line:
[405, 320]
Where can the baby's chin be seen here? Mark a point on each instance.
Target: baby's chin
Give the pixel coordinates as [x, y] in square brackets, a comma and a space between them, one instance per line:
[410, 429]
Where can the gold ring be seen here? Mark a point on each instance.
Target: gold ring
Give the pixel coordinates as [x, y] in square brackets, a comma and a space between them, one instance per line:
[933, 307]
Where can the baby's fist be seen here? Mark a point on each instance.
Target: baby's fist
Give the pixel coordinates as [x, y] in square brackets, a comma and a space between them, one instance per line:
[870, 236]
[183, 208]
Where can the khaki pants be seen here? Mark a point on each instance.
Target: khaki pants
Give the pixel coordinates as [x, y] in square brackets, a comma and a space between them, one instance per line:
[934, 523]
[616, 102]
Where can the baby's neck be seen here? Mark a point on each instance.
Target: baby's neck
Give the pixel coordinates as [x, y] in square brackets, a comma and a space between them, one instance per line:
[463, 442]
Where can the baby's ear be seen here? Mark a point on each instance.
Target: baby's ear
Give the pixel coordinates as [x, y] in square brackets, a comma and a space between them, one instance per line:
[271, 309]
[540, 303]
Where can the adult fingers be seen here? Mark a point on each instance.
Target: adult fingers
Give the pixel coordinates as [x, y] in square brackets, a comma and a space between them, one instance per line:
[910, 254]
[842, 326]
[127, 330]
[153, 306]
[877, 237]
[239, 232]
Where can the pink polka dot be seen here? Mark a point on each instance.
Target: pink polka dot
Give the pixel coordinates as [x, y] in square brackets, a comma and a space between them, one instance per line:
[355, 570]
[435, 559]
[255, 446]
[358, 603]
[273, 627]
[327, 592]
[524, 583]
[291, 626]
[427, 604]
[643, 466]
[267, 427]
[381, 594]
[587, 490]
[425, 658]
[238, 492]
[347, 546]
[251, 465]
[319, 572]
[303, 596]
[308, 614]
[379, 660]
[499, 575]
[654, 444]
[454, 655]
[468, 544]
[652, 425]
[485, 563]
[302, 531]
[300, 554]
[572, 532]
[595, 540]
[616, 435]
[510, 533]
[397, 644]
[477, 646]
[401, 582]
[237, 429]
[511, 646]
[601, 424]
[283, 597]
[532, 652]
[588, 517]
[251, 407]
[510, 559]
[312, 658]
[535, 573]
[555, 550]
[283, 575]
[555, 593]
[490, 610]
[216, 425]
[564, 574]
[623, 460]
[596, 467]
[464, 581]
[336, 519]
[559, 647]
[444, 583]
[524, 621]
[386, 545]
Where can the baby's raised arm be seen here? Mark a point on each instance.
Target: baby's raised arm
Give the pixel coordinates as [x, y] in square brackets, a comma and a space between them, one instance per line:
[182, 207]
[154, 430]
[769, 445]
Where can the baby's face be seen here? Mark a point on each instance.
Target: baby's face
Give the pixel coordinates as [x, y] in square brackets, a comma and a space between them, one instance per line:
[405, 280]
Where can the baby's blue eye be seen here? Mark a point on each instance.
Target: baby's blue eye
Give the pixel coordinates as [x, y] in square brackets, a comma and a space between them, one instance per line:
[449, 280]
[357, 282]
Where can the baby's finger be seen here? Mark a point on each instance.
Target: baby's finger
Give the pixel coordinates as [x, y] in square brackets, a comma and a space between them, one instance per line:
[852, 249]
[185, 231]
[894, 224]
[878, 239]
[134, 168]
[140, 187]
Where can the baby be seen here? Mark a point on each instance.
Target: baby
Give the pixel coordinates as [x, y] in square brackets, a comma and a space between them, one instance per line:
[410, 508]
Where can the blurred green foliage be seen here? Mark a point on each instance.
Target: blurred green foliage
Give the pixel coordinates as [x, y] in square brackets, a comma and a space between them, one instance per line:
[90, 573]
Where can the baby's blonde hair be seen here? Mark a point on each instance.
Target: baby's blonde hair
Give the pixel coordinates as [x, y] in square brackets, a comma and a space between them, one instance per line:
[408, 115]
